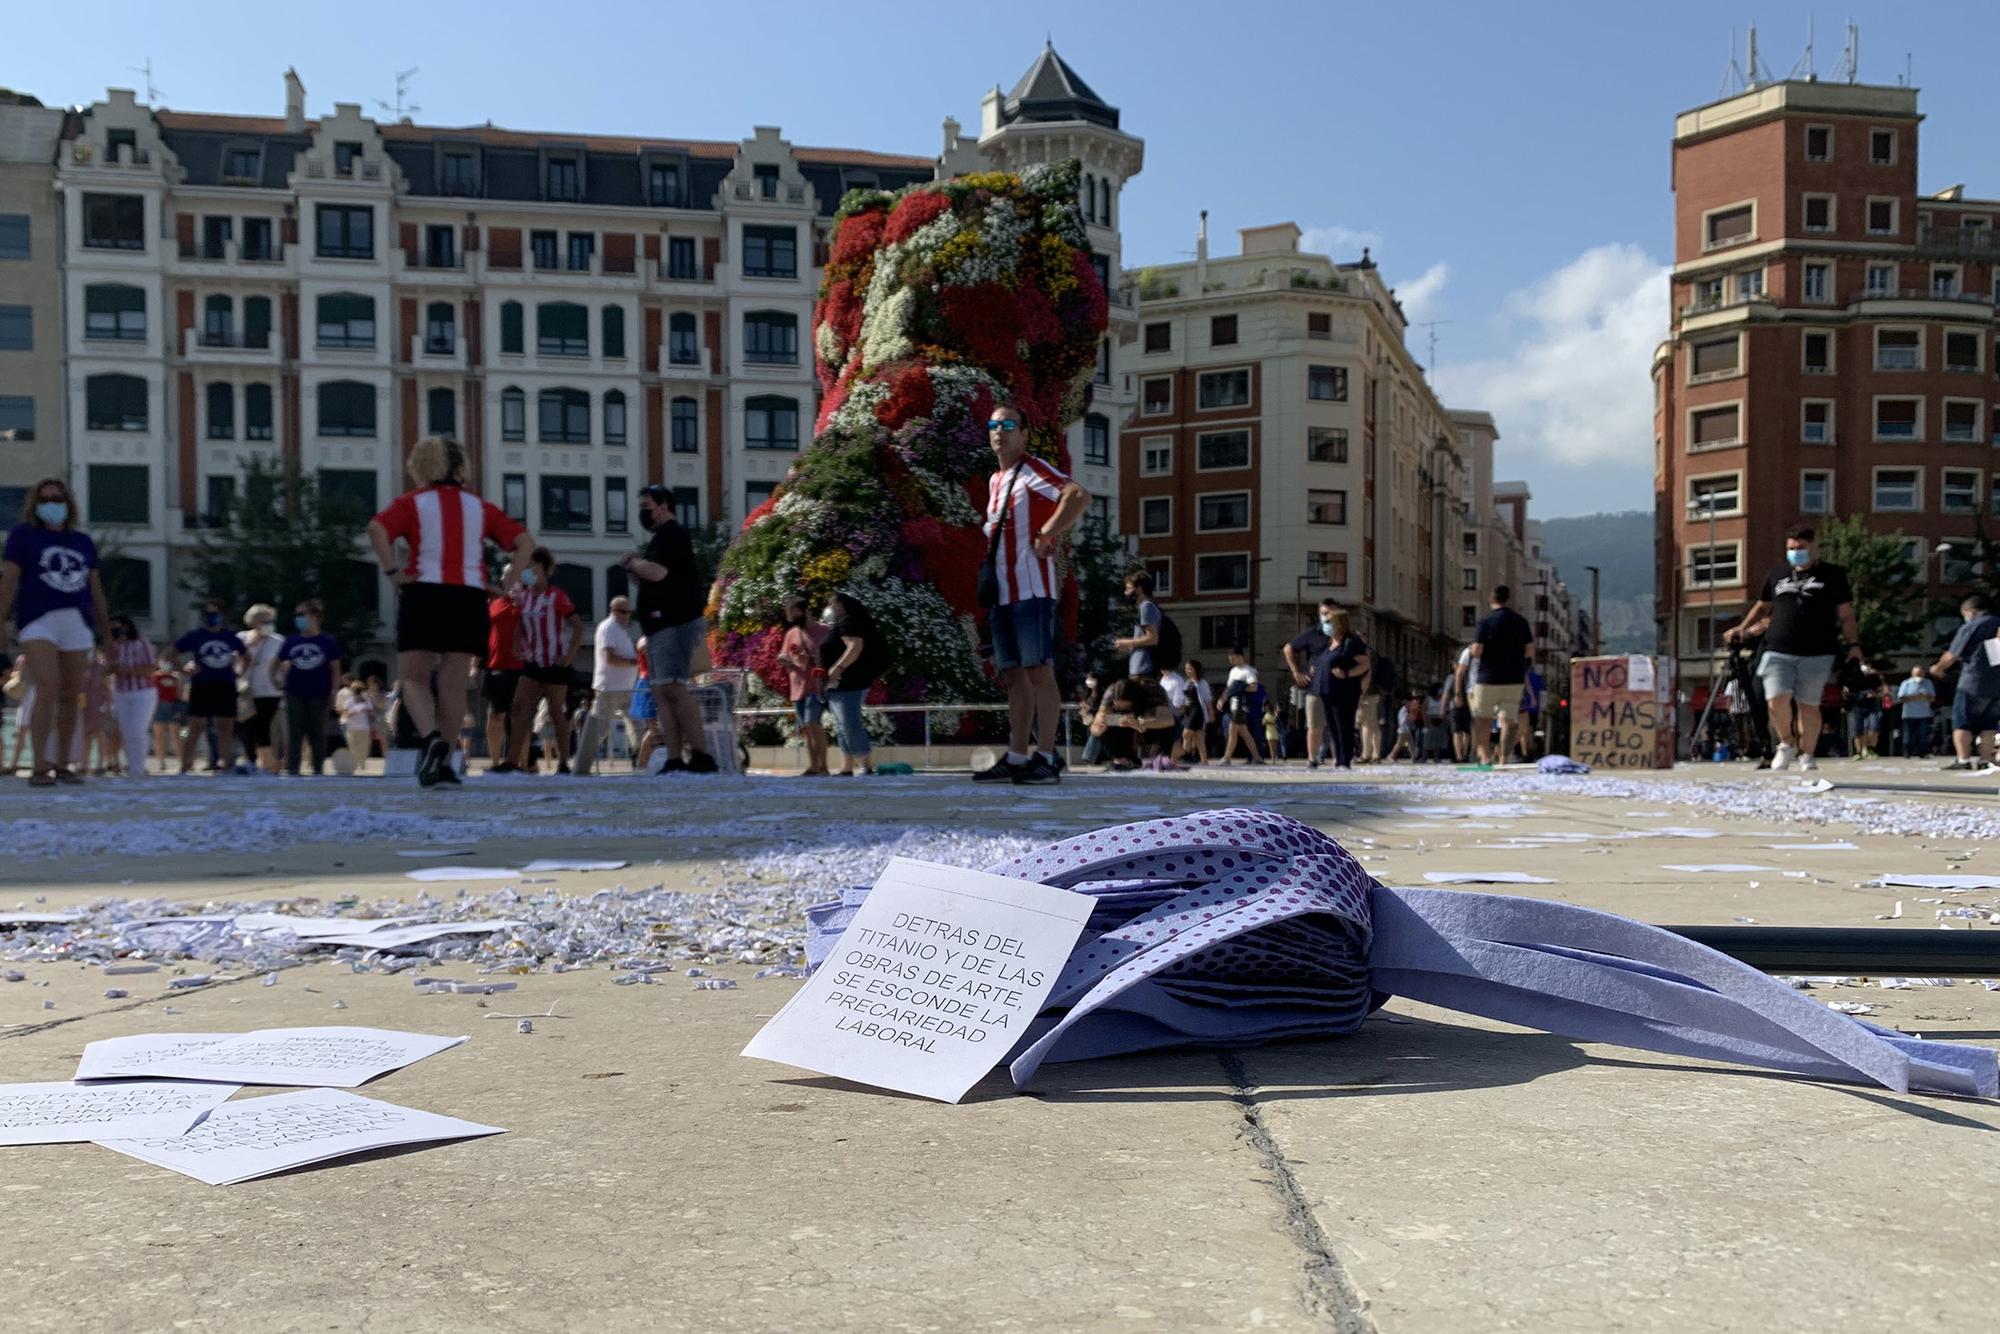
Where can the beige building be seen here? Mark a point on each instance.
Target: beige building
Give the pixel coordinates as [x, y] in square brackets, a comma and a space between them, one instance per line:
[31, 315]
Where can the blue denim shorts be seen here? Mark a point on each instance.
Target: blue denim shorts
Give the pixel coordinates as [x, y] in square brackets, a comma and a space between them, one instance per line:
[1024, 633]
[1969, 713]
[1791, 674]
[670, 651]
[810, 710]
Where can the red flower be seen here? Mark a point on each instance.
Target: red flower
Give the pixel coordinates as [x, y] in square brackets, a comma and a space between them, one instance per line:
[1098, 302]
[858, 238]
[840, 309]
[916, 210]
[909, 398]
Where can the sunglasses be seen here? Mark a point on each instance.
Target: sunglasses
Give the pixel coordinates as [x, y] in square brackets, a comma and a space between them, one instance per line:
[1003, 424]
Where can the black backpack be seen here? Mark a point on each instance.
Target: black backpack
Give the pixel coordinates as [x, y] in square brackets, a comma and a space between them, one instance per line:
[1167, 653]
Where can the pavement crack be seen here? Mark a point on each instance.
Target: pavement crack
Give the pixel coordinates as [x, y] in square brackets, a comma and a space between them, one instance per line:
[136, 1003]
[1330, 1295]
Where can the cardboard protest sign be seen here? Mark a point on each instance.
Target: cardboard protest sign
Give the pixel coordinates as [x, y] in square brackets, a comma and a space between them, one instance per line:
[1621, 712]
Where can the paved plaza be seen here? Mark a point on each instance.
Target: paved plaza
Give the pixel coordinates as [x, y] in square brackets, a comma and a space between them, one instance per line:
[1433, 1172]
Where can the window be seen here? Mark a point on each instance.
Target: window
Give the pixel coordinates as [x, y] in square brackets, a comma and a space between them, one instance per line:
[347, 407]
[1156, 516]
[1819, 283]
[1103, 361]
[1468, 577]
[1718, 357]
[563, 179]
[440, 328]
[114, 312]
[256, 412]
[756, 493]
[565, 504]
[511, 337]
[1222, 449]
[1725, 493]
[1749, 284]
[1222, 574]
[1899, 418]
[1329, 507]
[1319, 326]
[1158, 397]
[613, 320]
[1224, 632]
[1882, 147]
[1898, 350]
[1945, 282]
[1160, 337]
[17, 420]
[1468, 616]
[680, 257]
[681, 347]
[1958, 492]
[1156, 457]
[616, 499]
[344, 155]
[114, 222]
[582, 247]
[1162, 570]
[771, 422]
[1819, 143]
[770, 252]
[221, 499]
[1898, 489]
[687, 506]
[514, 497]
[1327, 383]
[1816, 421]
[1961, 351]
[1961, 420]
[542, 245]
[346, 231]
[346, 319]
[119, 493]
[684, 422]
[1469, 543]
[1326, 444]
[348, 491]
[221, 412]
[215, 237]
[1710, 428]
[562, 417]
[440, 247]
[1097, 439]
[766, 176]
[1815, 493]
[459, 177]
[1227, 512]
[17, 329]
[1882, 217]
[1881, 279]
[663, 183]
[614, 417]
[114, 403]
[770, 337]
[1326, 568]
[1222, 331]
[1818, 359]
[1713, 565]
[218, 317]
[562, 329]
[14, 236]
[1819, 213]
[513, 415]
[441, 412]
[1730, 225]
[1708, 293]
[257, 239]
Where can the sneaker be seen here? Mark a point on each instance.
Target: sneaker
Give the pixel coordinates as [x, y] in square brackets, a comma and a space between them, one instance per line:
[700, 762]
[436, 753]
[1956, 766]
[676, 765]
[1807, 764]
[448, 774]
[562, 766]
[1784, 758]
[1037, 772]
[1062, 765]
[503, 767]
[1312, 764]
[999, 772]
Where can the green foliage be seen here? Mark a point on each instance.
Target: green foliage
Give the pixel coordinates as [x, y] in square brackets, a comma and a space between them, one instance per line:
[1889, 601]
[282, 541]
[1101, 562]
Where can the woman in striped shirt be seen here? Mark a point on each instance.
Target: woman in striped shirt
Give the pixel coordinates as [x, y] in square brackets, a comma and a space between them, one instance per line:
[132, 661]
[550, 634]
[441, 607]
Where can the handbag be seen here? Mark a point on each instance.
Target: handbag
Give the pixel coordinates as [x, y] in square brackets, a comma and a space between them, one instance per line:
[989, 572]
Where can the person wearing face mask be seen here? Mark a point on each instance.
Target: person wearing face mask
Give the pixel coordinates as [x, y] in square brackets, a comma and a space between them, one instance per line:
[854, 656]
[214, 656]
[799, 652]
[1145, 645]
[260, 649]
[1975, 705]
[611, 684]
[672, 591]
[1337, 679]
[1809, 606]
[49, 583]
[551, 635]
[502, 673]
[308, 665]
[1302, 657]
[132, 662]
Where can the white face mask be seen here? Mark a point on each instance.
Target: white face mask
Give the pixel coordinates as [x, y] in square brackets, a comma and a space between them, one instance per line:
[527, 578]
[827, 617]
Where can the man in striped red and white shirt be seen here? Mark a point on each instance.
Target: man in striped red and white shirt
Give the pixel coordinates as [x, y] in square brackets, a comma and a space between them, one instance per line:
[441, 608]
[1030, 508]
[550, 634]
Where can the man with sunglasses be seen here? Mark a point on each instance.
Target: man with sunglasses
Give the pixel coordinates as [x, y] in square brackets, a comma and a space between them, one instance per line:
[1030, 508]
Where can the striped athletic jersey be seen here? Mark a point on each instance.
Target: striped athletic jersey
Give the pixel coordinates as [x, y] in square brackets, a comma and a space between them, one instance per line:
[447, 530]
[1034, 492]
[545, 614]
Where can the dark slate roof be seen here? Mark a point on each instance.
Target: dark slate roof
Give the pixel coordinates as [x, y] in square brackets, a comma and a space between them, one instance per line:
[1052, 91]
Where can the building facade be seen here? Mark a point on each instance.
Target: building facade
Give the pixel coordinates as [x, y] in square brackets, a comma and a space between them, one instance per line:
[31, 313]
[1833, 350]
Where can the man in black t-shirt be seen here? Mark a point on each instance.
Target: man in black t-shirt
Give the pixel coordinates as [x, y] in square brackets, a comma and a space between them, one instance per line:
[1502, 647]
[1302, 658]
[1808, 607]
[672, 590]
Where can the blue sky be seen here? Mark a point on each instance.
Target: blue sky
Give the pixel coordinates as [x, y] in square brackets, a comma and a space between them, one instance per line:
[1507, 163]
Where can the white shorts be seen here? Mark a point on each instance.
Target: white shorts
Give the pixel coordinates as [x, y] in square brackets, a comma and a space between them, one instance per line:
[64, 627]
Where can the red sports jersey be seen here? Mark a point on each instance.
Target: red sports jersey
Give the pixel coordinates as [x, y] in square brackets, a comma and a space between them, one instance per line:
[503, 649]
[447, 530]
[1035, 491]
[545, 613]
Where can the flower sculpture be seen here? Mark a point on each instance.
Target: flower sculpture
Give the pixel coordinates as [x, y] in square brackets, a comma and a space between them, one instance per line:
[937, 302]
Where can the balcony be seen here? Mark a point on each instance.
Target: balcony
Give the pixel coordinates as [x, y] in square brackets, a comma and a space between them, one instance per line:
[436, 354]
[431, 269]
[595, 271]
[771, 190]
[675, 363]
[319, 169]
[1967, 242]
[232, 347]
[1954, 300]
[215, 261]
[1897, 359]
[1725, 301]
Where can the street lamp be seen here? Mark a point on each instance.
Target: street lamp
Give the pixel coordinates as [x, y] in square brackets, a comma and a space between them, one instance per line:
[1706, 502]
[1596, 626]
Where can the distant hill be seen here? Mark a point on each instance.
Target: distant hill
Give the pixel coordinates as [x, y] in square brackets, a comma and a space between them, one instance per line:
[1621, 547]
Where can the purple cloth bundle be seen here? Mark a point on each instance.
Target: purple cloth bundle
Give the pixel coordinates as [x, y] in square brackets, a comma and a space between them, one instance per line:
[1238, 926]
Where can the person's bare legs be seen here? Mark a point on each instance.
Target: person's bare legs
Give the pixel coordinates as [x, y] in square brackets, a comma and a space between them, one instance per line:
[1047, 701]
[558, 697]
[56, 681]
[1811, 720]
[1779, 710]
[521, 723]
[1020, 710]
[1507, 739]
[414, 669]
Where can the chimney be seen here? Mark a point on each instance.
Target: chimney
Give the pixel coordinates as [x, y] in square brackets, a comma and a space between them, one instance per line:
[295, 102]
[1201, 254]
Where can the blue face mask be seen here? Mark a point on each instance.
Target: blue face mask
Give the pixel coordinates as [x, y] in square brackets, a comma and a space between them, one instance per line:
[52, 512]
[1325, 626]
[300, 622]
[211, 618]
[1798, 560]
[527, 578]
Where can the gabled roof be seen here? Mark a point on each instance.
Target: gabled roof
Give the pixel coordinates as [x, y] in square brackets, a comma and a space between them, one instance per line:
[1052, 91]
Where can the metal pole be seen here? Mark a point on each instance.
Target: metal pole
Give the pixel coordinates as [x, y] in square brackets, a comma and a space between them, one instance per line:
[1853, 951]
[1596, 626]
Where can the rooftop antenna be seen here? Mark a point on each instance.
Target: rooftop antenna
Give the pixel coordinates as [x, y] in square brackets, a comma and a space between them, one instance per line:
[1733, 81]
[1909, 72]
[1805, 65]
[403, 108]
[152, 93]
[1849, 69]
[1430, 328]
[1759, 72]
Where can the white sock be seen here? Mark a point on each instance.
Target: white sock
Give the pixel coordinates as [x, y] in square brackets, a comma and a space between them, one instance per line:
[1014, 757]
[1050, 756]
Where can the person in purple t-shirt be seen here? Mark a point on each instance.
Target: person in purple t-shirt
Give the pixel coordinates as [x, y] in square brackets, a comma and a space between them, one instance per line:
[49, 582]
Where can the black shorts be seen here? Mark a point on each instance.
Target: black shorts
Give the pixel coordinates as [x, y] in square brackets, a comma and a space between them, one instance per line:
[498, 687]
[556, 675]
[441, 618]
[257, 727]
[1461, 718]
[212, 699]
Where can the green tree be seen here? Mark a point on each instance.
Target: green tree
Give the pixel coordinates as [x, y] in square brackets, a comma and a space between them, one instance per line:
[1889, 599]
[1984, 557]
[1101, 563]
[282, 540]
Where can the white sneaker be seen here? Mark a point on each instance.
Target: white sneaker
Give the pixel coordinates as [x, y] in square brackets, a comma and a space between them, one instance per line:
[1783, 759]
[1807, 764]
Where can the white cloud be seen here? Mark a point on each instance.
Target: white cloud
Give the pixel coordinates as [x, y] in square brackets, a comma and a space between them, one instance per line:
[1420, 295]
[1337, 242]
[1576, 386]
